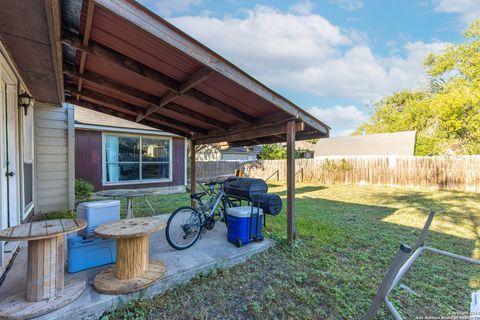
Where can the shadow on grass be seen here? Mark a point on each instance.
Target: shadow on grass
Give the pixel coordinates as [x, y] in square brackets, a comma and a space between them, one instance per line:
[300, 190]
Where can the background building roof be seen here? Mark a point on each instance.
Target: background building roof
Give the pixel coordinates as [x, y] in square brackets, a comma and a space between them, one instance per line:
[84, 116]
[395, 143]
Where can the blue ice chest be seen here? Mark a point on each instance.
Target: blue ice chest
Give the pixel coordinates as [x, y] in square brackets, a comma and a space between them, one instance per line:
[97, 213]
[242, 225]
[86, 253]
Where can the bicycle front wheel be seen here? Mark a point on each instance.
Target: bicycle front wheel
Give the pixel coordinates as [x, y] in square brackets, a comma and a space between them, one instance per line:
[183, 228]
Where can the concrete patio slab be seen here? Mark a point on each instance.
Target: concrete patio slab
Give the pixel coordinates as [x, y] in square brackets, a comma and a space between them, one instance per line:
[211, 251]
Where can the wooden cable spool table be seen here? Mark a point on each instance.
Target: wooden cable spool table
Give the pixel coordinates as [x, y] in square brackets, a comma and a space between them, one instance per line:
[133, 270]
[46, 290]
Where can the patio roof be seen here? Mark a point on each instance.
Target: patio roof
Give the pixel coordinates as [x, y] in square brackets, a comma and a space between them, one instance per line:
[122, 59]
[119, 58]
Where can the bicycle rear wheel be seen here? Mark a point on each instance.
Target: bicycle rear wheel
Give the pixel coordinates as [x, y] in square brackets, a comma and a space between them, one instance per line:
[183, 228]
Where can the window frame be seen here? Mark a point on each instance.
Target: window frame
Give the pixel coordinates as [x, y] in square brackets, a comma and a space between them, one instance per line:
[140, 162]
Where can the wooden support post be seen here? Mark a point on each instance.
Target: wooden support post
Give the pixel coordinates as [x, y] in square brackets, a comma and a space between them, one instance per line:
[291, 231]
[193, 180]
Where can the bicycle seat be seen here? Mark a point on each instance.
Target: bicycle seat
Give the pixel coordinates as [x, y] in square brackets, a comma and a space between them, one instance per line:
[198, 196]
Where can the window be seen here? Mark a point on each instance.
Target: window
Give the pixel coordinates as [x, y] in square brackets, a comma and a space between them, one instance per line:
[136, 159]
[27, 139]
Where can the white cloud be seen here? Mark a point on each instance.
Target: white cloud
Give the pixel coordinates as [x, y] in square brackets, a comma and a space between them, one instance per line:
[343, 119]
[302, 8]
[307, 53]
[349, 5]
[169, 7]
[469, 10]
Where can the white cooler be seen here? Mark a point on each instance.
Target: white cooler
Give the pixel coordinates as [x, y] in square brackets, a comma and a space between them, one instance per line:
[97, 213]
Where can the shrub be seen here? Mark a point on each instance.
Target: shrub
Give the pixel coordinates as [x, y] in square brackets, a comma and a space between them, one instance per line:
[65, 214]
[83, 189]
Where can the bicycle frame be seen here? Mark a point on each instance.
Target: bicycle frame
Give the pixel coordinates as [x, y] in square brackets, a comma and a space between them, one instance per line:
[215, 198]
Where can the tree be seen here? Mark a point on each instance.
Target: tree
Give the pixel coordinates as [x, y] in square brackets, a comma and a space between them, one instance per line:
[273, 152]
[446, 113]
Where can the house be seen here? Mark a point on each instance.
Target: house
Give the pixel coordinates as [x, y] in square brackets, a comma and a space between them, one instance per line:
[219, 153]
[381, 144]
[118, 58]
[305, 149]
[151, 157]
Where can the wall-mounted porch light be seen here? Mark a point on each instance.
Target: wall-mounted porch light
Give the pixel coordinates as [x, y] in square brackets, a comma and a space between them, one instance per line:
[25, 100]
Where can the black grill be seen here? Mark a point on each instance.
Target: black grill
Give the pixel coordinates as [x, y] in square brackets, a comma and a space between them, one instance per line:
[270, 203]
[245, 188]
[255, 192]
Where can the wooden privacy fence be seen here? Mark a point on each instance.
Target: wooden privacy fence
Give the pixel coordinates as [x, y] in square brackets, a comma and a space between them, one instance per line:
[460, 173]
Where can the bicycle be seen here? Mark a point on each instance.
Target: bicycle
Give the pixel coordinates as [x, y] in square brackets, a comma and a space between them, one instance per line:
[186, 224]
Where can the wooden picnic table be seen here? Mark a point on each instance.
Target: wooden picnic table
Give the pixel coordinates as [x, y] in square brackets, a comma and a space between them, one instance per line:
[133, 270]
[46, 290]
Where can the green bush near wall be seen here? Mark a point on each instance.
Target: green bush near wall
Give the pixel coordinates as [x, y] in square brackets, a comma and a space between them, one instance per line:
[65, 214]
[83, 189]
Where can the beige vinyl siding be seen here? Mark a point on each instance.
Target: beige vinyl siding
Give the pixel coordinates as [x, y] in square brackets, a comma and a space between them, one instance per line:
[54, 176]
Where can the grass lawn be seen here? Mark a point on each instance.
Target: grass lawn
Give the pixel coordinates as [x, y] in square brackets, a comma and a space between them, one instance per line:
[348, 236]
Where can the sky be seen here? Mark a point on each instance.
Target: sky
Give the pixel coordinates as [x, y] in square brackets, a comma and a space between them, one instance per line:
[334, 58]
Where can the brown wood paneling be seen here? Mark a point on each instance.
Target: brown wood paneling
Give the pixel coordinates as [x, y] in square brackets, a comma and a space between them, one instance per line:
[88, 161]
[88, 156]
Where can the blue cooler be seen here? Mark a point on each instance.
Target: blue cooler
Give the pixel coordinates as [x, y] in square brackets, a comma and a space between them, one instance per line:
[243, 227]
[86, 253]
[97, 213]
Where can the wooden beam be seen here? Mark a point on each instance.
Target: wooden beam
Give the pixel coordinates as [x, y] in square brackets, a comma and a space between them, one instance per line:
[161, 29]
[116, 102]
[291, 214]
[248, 134]
[109, 84]
[86, 38]
[114, 57]
[193, 178]
[219, 105]
[119, 114]
[192, 81]
[139, 94]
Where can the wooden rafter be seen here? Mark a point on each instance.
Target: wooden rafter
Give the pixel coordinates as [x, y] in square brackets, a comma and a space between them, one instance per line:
[86, 38]
[188, 84]
[123, 115]
[248, 134]
[275, 119]
[139, 94]
[114, 57]
[167, 82]
[104, 99]
[305, 135]
[219, 105]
